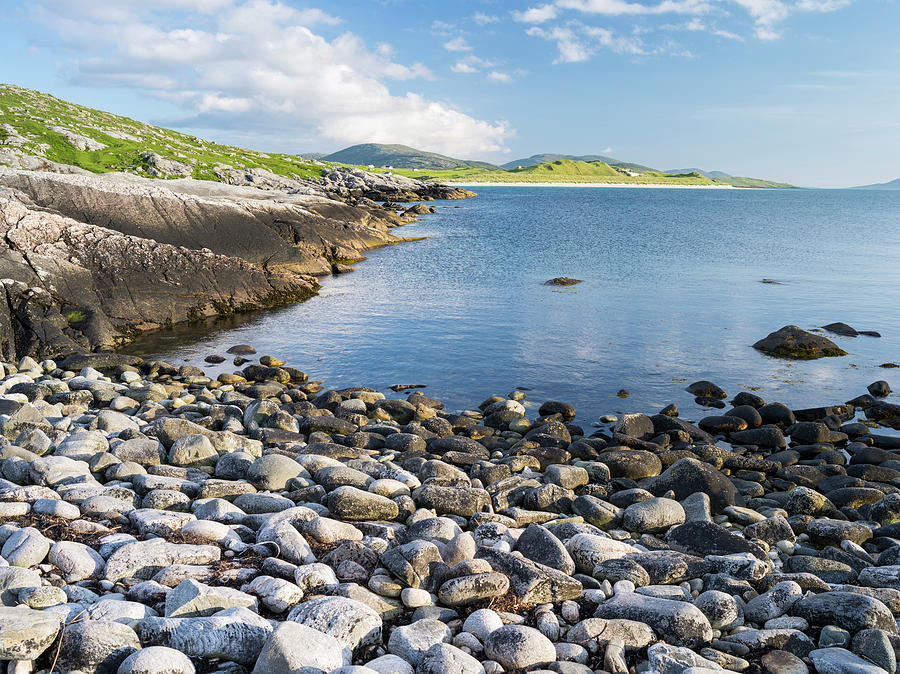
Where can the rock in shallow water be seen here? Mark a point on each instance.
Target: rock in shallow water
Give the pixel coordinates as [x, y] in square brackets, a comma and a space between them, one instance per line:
[792, 342]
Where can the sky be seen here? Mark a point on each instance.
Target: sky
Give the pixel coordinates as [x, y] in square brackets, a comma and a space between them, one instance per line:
[803, 91]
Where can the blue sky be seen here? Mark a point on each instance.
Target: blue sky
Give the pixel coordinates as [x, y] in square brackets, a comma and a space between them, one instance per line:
[806, 91]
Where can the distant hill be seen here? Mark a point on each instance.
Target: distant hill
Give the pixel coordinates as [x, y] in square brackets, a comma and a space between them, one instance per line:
[315, 156]
[400, 156]
[893, 185]
[708, 174]
[545, 158]
[571, 167]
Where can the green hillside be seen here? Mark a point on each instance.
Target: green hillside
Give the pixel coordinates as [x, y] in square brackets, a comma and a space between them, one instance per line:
[568, 167]
[44, 126]
[401, 156]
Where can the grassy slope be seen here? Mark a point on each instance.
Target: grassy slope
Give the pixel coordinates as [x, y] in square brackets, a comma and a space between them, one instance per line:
[32, 114]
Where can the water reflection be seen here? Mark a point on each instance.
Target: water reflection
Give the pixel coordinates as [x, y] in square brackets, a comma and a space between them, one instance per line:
[672, 293]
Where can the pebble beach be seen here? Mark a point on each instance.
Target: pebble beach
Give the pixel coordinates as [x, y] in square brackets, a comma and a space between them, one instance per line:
[156, 520]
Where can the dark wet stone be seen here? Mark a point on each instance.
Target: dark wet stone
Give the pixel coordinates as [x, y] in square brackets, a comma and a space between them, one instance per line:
[769, 436]
[778, 414]
[555, 407]
[539, 545]
[879, 389]
[748, 413]
[687, 476]
[853, 612]
[841, 329]
[241, 350]
[706, 389]
[635, 464]
[707, 538]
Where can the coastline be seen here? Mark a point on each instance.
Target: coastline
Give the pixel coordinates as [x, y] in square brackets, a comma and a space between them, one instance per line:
[561, 184]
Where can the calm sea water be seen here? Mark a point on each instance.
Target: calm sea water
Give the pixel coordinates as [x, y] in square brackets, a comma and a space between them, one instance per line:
[672, 292]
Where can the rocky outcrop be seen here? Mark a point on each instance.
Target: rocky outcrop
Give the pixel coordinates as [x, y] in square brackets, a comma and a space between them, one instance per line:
[88, 261]
[348, 181]
[291, 232]
[70, 286]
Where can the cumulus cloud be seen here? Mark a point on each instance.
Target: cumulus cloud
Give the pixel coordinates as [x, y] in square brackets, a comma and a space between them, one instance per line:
[538, 14]
[259, 68]
[457, 44]
[470, 63]
[499, 76]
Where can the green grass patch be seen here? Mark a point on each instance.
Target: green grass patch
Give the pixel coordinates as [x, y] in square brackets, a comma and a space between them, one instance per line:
[75, 316]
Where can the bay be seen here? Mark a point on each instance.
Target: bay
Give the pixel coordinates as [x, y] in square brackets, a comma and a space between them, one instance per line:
[672, 292]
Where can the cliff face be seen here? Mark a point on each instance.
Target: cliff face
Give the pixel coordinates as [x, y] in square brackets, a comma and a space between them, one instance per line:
[88, 260]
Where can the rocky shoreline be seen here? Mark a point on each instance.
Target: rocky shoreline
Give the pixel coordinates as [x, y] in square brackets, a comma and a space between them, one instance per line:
[156, 520]
[89, 261]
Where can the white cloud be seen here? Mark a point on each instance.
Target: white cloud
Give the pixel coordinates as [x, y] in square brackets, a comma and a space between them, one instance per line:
[257, 69]
[697, 25]
[576, 42]
[727, 34]
[483, 19]
[442, 27]
[470, 63]
[539, 14]
[570, 47]
[822, 5]
[457, 44]
[464, 67]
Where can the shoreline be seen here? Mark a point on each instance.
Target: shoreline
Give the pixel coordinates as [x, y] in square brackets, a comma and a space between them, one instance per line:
[503, 533]
[563, 184]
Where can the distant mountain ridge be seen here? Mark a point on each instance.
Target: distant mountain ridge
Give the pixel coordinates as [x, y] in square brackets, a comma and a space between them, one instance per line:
[892, 185]
[399, 156]
[708, 174]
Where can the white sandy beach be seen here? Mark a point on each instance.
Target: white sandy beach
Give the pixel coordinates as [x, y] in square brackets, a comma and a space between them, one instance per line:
[631, 185]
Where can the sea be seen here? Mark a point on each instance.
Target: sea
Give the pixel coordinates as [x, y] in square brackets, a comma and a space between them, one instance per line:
[676, 285]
